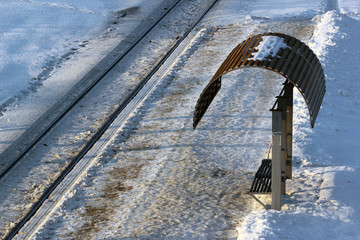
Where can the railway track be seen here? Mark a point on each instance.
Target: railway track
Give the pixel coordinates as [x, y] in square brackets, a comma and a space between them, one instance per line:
[52, 194]
[63, 109]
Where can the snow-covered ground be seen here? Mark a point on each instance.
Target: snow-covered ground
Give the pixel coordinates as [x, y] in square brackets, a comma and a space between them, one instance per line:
[48, 46]
[37, 171]
[162, 180]
[37, 35]
[322, 199]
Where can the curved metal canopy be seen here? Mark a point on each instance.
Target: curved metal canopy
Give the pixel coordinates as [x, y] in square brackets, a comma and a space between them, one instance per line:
[278, 52]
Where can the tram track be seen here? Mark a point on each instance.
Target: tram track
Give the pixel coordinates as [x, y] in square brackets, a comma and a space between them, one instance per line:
[119, 116]
[63, 109]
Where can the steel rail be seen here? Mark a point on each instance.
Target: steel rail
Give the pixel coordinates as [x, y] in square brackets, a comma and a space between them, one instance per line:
[101, 131]
[13, 162]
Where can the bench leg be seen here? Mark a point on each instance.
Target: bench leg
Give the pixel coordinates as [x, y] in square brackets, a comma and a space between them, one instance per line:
[258, 200]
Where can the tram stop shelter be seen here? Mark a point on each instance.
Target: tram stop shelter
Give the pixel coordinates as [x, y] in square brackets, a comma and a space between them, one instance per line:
[300, 67]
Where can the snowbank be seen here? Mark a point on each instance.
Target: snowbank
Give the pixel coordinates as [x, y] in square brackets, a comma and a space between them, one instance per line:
[322, 198]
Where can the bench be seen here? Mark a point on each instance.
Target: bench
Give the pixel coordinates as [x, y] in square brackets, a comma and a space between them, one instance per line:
[262, 181]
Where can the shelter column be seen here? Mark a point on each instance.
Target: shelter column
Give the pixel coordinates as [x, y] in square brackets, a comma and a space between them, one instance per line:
[289, 128]
[276, 160]
[282, 105]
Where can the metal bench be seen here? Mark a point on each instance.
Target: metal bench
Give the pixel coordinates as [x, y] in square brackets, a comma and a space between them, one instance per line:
[262, 181]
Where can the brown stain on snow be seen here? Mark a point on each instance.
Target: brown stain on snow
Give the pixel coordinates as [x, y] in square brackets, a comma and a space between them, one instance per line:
[97, 213]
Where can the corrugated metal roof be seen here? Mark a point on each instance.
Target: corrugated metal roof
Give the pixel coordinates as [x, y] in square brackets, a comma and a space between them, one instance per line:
[278, 52]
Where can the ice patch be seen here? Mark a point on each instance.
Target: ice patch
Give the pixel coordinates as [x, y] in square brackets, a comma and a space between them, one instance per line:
[268, 47]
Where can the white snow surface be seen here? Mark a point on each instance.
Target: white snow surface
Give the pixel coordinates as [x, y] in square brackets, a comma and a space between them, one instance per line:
[46, 47]
[268, 47]
[36, 33]
[322, 198]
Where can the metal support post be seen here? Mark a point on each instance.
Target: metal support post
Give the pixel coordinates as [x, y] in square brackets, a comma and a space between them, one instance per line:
[285, 104]
[276, 160]
[289, 128]
[282, 102]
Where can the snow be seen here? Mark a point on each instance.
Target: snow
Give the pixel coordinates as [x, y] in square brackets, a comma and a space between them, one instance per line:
[44, 55]
[187, 184]
[350, 8]
[233, 12]
[321, 202]
[35, 33]
[268, 47]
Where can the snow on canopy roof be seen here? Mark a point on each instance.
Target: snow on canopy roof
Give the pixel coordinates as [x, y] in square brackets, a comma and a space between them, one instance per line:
[280, 53]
